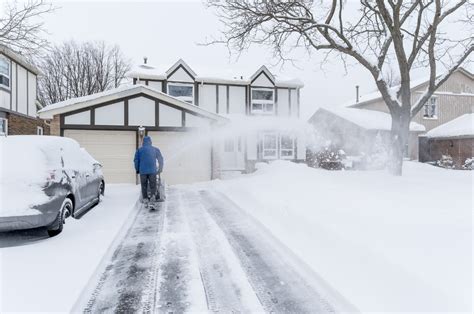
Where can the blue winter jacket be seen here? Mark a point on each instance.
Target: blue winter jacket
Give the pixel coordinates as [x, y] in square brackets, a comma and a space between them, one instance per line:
[146, 157]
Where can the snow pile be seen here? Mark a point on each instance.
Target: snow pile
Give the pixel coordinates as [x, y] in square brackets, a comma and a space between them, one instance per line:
[369, 119]
[385, 243]
[461, 126]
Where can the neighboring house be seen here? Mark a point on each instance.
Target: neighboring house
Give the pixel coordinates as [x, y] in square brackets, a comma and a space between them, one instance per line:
[454, 138]
[181, 111]
[356, 130]
[18, 96]
[453, 99]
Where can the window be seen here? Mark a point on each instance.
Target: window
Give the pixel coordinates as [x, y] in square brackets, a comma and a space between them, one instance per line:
[431, 108]
[3, 126]
[39, 130]
[263, 101]
[4, 72]
[287, 147]
[184, 92]
[269, 149]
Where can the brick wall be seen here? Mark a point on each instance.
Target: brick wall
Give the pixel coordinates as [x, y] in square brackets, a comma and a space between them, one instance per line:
[21, 125]
[55, 126]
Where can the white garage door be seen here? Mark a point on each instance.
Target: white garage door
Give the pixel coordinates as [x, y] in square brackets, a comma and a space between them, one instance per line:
[187, 156]
[113, 149]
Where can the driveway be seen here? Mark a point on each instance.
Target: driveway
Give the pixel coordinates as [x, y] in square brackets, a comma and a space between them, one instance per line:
[200, 252]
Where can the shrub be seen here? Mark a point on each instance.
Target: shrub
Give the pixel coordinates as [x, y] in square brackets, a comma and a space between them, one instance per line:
[446, 161]
[468, 164]
[330, 159]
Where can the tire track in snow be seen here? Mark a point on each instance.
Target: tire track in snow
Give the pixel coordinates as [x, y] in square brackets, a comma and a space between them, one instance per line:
[279, 287]
[225, 283]
[128, 281]
[179, 287]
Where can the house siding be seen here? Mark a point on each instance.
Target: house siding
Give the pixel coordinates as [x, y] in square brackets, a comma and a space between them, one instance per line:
[460, 149]
[23, 125]
[455, 98]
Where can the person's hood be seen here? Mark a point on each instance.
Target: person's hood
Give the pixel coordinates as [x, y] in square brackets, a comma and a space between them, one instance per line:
[147, 141]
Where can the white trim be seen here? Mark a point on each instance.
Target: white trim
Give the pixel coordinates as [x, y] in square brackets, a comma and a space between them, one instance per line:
[263, 102]
[5, 125]
[267, 72]
[182, 98]
[39, 130]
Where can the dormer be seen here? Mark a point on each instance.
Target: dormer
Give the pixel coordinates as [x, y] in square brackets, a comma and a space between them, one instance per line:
[180, 81]
[262, 92]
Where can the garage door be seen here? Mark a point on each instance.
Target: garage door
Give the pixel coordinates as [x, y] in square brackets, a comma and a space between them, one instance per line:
[113, 149]
[187, 156]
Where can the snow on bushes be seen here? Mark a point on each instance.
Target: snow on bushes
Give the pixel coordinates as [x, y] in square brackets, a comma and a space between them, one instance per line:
[468, 164]
[446, 161]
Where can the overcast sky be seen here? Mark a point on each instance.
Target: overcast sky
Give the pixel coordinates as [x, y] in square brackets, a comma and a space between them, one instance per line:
[165, 31]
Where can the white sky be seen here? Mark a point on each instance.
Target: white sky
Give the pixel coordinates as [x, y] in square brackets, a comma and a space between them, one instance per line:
[165, 31]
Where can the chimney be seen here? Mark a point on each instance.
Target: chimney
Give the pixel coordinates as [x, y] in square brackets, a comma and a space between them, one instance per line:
[145, 59]
[357, 93]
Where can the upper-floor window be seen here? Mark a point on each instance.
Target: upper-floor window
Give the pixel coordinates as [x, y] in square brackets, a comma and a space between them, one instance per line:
[263, 101]
[3, 126]
[184, 92]
[431, 108]
[4, 72]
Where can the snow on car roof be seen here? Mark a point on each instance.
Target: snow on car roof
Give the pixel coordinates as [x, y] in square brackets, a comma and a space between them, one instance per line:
[459, 127]
[369, 119]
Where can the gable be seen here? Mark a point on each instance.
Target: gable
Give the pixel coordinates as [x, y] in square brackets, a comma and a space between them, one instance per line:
[262, 79]
[180, 74]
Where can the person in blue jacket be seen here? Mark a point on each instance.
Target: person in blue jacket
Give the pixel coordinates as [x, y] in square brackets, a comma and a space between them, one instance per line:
[145, 165]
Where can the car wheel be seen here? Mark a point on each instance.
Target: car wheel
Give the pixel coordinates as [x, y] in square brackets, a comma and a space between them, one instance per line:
[100, 193]
[58, 224]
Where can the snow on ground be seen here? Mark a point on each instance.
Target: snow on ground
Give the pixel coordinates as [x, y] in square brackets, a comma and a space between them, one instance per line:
[385, 243]
[41, 274]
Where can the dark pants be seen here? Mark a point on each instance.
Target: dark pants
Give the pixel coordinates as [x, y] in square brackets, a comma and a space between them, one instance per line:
[148, 181]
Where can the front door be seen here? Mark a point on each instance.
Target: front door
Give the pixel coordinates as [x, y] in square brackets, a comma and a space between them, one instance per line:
[233, 154]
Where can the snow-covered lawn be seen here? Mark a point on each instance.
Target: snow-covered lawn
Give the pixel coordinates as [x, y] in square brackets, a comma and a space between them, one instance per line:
[40, 274]
[385, 243]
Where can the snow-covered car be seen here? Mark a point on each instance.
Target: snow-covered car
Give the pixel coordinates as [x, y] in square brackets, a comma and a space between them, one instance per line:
[44, 180]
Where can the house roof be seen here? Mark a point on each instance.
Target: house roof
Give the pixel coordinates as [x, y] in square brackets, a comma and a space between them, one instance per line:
[367, 119]
[462, 126]
[123, 91]
[18, 59]
[216, 76]
[375, 96]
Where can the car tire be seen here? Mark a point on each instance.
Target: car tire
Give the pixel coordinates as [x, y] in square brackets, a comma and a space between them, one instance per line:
[100, 193]
[58, 224]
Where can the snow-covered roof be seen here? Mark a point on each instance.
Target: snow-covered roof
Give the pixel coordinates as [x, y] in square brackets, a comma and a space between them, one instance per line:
[462, 126]
[18, 59]
[205, 74]
[368, 119]
[123, 91]
[374, 96]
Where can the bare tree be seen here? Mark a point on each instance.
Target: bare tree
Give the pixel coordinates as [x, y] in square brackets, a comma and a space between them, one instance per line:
[21, 26]
[74, 70]
[405, 34]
